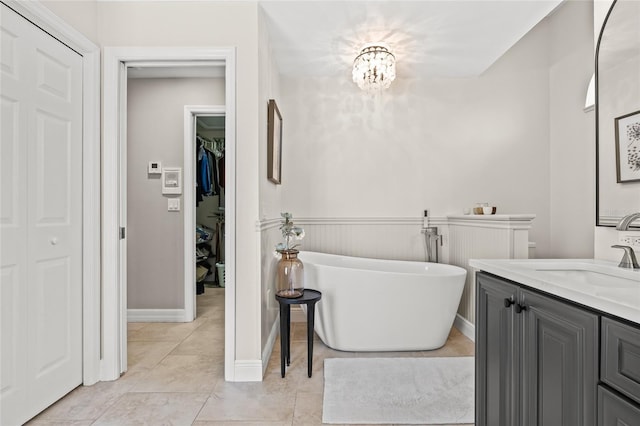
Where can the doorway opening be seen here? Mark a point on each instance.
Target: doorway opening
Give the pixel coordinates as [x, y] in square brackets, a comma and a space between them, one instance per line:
[173, 192]
[204, 154]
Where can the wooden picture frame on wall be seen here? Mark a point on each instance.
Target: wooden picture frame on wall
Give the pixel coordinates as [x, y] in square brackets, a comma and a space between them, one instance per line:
[627, 129]
[274, 143]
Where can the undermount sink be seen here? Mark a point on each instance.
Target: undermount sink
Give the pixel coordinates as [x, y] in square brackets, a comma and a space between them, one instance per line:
[586, 273]
[593, 278]
[598, 284]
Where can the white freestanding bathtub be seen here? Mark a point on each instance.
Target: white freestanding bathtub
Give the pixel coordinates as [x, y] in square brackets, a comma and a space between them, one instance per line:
[382, 305]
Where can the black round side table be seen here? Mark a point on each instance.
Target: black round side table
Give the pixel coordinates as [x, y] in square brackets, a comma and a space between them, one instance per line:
[310, 298]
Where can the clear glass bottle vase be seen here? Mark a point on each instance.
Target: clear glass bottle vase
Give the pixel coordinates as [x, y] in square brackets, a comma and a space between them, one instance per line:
[290, 276]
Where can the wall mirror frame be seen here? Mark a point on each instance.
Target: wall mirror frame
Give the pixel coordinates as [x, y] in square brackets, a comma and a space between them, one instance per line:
[617, 68]
[274, 143]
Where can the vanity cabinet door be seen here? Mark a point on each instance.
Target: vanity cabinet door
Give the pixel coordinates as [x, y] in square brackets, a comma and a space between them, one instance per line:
[497, 353]
[616, 411]
[620, 360]
[560, 362]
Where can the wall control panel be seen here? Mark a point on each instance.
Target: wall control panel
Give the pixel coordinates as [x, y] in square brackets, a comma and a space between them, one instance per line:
[173, 204]
[172, 180]
[154, 168]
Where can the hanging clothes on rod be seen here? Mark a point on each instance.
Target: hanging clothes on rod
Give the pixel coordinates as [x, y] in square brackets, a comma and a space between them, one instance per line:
[215, 145]
[203, 180]
[208, 154]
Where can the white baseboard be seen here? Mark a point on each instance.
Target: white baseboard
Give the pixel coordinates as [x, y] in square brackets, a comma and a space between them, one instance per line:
[465, 327]
[297, 314]
[248, 370]
[271, 340]
[156, 315]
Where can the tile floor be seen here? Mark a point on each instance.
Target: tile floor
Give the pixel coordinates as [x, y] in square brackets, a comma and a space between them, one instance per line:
[176, 377]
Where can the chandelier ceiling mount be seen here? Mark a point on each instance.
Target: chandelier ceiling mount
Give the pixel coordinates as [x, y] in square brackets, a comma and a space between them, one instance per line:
[375, 67]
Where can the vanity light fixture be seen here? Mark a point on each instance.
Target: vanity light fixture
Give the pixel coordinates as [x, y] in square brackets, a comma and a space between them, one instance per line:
[374, 68]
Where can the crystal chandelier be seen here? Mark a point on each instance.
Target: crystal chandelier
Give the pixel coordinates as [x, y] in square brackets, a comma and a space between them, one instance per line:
[374, 68]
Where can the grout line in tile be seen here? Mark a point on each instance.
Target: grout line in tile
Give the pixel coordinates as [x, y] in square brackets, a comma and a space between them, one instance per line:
[205, 403]
[296, 383]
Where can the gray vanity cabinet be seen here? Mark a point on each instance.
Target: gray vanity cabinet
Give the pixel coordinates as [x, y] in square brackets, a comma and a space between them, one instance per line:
[497, 354]
[616, 411]
[559, 362]
[620, 363]
[620, 371]
[536, 358]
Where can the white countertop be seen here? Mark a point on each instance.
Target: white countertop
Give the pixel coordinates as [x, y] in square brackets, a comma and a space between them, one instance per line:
[493, 217]
[598, 284]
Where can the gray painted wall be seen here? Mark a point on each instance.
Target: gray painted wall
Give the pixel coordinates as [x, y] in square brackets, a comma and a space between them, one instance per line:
[155, 111]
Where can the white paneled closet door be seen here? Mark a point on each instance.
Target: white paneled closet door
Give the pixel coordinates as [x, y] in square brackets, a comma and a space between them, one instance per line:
[41, 219]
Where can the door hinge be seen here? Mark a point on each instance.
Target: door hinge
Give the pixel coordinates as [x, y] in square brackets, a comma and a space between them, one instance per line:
[122, 233]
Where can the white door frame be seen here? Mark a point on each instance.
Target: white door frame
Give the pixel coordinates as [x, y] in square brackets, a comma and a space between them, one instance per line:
[190, 114]
[114, 311]
[42, 17]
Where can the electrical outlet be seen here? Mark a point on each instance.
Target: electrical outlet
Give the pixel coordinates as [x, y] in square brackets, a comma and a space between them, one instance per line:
[630, 240]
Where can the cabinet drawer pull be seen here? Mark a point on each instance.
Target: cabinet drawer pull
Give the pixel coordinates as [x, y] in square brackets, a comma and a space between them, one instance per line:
[520, 308]
[508, 302]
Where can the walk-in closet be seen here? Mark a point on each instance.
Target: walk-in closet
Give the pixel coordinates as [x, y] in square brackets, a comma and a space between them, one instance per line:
[209, 201]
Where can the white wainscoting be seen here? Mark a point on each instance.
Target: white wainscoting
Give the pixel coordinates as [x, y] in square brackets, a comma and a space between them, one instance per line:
[464, 238]
[380, 238]
[485, 237]
[270, 235]
[267, 348]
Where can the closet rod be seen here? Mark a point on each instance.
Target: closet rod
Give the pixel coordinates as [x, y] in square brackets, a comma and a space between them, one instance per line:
[216, 146]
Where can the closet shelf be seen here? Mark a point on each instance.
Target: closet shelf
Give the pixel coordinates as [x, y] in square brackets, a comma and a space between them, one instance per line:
[204, 241]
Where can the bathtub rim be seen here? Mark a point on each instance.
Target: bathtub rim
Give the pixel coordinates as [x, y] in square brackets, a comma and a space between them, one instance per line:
[450, 270]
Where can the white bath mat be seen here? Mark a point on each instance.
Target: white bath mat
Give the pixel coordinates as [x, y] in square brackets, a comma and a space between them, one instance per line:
[398, 390]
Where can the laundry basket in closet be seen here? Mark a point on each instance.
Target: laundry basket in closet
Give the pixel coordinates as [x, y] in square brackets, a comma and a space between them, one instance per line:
[220, 268]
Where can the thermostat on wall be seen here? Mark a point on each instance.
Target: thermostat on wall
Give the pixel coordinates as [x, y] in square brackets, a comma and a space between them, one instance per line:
[155, 168]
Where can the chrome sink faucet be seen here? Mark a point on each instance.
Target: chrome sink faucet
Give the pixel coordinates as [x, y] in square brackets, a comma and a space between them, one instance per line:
[626, 221]
[629, 260]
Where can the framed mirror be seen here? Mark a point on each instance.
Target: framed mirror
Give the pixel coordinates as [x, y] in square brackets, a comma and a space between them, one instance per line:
[618, 114]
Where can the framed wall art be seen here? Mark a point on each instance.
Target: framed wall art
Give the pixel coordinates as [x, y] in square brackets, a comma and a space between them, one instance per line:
[628, 147]
[274, 143]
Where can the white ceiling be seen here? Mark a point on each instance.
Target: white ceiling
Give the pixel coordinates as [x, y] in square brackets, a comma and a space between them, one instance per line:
[451, 38]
